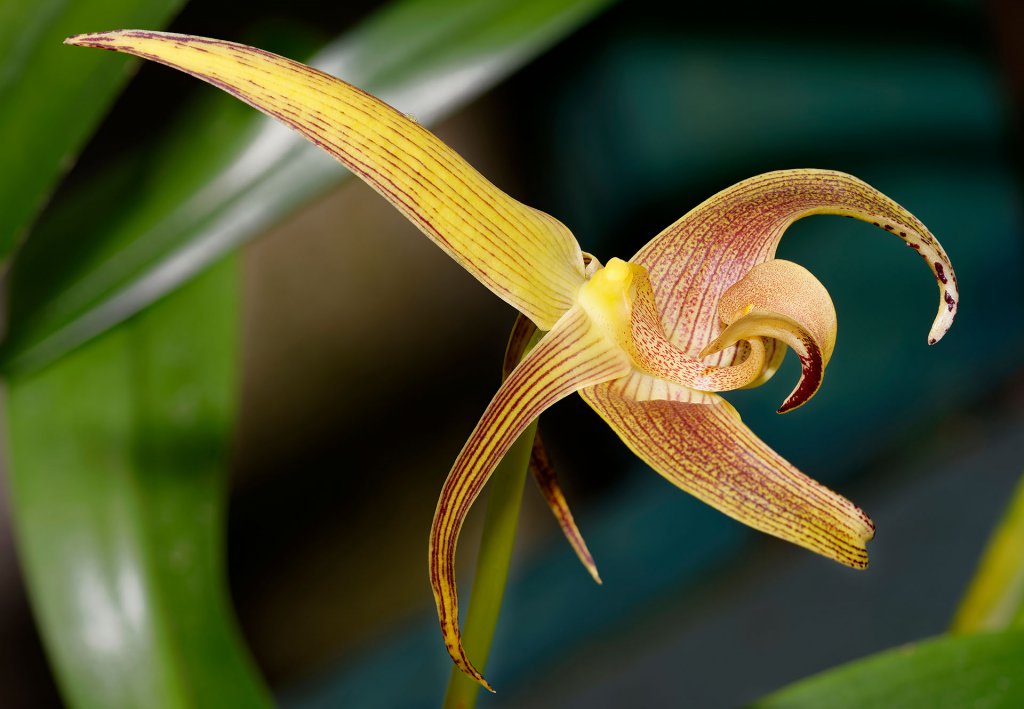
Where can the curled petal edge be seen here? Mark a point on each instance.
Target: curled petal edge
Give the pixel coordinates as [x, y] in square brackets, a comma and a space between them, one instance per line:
[544, 475]
[782, 300]
[741, 226]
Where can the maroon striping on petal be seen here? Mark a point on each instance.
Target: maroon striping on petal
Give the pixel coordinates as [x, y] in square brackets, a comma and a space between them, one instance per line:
[940, 272]
[812, 371]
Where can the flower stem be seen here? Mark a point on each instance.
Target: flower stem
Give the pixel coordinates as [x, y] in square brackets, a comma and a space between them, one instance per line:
[502, 516]
[995, 599]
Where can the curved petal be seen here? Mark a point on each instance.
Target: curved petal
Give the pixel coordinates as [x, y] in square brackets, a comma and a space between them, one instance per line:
[694, 261]
[544, 473]
[774, 354]
[526, 257]
[519, 341]
[783, 301]
[573, 355]
[704, 449]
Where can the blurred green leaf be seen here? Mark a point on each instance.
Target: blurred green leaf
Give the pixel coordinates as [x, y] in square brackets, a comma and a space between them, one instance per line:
[119, 479]
[954, 672]
[52, 98]
[185, 205]
[995, 598]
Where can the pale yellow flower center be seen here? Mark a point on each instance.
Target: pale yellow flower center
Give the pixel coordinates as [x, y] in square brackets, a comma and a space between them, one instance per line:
[607, 298]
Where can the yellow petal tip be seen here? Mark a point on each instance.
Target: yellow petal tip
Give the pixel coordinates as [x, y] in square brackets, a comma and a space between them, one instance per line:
[90, 39]
[713, 347]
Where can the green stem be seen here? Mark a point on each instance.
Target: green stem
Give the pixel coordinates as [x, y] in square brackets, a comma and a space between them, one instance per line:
[995, 598]
[492, 565]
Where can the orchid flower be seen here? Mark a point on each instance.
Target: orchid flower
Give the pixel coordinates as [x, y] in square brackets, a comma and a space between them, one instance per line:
[704, 307]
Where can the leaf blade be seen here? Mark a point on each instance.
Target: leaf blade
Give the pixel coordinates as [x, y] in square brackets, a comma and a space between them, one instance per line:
[946, 672]
[40, 143]
[118, 473]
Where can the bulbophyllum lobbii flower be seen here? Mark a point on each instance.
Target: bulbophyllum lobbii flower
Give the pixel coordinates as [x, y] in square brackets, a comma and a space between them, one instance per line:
[704, 307]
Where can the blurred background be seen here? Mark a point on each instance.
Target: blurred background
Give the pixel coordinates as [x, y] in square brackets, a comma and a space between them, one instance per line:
[367, 357]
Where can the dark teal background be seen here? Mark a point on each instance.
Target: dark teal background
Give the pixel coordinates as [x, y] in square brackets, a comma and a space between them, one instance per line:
[618, 133]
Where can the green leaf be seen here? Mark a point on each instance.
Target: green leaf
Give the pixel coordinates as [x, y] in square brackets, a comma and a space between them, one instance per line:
[83, 271]
[948, 672]
[995, 598]
[51, 98]
[118, 475]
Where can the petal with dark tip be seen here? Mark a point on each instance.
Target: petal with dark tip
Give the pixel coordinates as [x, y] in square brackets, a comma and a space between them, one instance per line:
[704, 449]
[528, 258]
[783, 301]
[573, 355]
[544, 474]
[695, 260]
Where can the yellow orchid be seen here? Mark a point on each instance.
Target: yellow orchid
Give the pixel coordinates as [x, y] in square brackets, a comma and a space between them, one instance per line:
[703, 307]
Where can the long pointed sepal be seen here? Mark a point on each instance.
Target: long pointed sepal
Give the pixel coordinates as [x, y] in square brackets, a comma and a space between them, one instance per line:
[573, 355]
[528, 258]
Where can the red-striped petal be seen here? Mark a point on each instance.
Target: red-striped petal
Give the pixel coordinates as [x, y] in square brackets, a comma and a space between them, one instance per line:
[523, 333]
[694, 261]
[528, 258]
[782, 301]
[704, 449]
[573, 355]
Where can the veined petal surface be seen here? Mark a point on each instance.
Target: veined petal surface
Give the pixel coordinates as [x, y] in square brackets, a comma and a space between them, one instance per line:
[783, 301]
[695, 260]
[573, 355]
[519, 341]
[619, 300]
[526, 257]
[652, 351]
[697, 442]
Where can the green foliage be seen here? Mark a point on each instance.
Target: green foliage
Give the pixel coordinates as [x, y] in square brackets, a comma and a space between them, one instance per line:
[119, 456]
[52, 100]
[948, 672]
[995, 598]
